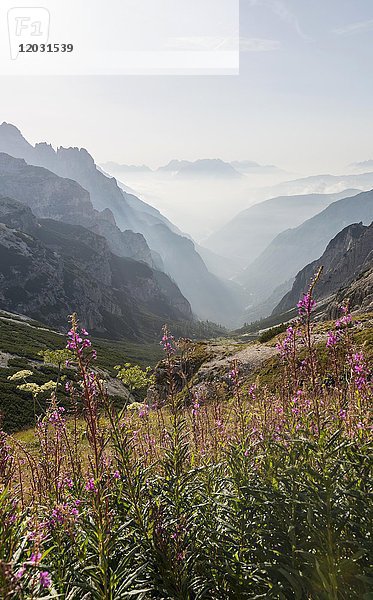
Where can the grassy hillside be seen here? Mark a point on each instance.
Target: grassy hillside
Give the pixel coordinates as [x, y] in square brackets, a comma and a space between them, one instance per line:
[20, 344]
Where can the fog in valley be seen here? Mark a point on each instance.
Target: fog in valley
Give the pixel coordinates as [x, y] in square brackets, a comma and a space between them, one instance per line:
[199, 204]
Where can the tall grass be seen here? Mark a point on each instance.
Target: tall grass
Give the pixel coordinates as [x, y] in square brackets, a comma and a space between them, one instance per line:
[240, 491]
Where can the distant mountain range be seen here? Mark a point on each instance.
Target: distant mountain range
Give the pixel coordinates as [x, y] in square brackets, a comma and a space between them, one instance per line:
[212, 168]
[206, 167]
[294, 248]
[248, 233]
[321, 184]
[171, 252]
[347, 263]
[362, 167]
[252, 167]
[49, 269]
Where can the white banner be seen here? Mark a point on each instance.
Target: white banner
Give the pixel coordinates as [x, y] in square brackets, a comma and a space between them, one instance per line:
[119, 37]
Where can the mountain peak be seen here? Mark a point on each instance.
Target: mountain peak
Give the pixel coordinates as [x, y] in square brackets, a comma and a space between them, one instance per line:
[203, 167]
[12, 141]
[10, 127]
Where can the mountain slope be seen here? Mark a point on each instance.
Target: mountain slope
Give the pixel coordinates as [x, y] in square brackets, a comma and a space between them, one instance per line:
[349, 254]
[208, 295]
[248, 233]
[51, 196]
[49, 269]
[322, 184]
[290, 251]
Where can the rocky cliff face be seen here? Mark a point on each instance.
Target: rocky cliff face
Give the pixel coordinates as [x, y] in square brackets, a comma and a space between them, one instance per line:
[54, 197]
[359, 295]
[346, 258]
[49, 269]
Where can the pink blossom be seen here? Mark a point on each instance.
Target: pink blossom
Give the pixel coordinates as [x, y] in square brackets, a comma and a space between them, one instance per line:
[306, 304]
[20, 573]
[332, 340]
[90, 485]
[45, 579]
[35, 558]
[168, 342]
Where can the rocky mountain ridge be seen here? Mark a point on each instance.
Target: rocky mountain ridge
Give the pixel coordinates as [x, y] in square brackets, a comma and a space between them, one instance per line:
[50, 269]
[293, 249]
[62, 199]
[346, 262]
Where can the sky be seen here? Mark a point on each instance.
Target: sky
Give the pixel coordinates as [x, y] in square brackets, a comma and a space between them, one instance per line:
[302, 99]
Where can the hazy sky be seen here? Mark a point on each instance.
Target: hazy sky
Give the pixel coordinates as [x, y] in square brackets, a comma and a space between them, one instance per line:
[303, 99]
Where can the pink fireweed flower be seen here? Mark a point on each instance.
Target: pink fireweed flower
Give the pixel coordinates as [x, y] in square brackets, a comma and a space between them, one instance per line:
[90, 485]
[168, 341]
[286, 346]
[45, 579]
[305, 305]
[295, 410]
[345, 320]
[63, 514]
[35, 558]
[342, 414]
[116, 474]
[332, 339]
[252, 391]
[144, 411]
[234, 374]
[359, 370]
[20, 573]
[57, 516]
[56, 416]
[195, 409]
[78, 342]
[196, 405]
[68, 387]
